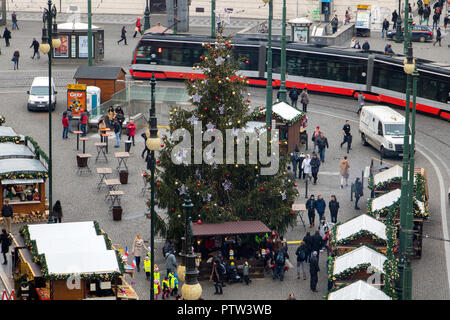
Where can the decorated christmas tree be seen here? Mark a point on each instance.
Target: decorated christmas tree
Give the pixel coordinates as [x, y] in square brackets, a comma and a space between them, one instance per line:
[220, 191]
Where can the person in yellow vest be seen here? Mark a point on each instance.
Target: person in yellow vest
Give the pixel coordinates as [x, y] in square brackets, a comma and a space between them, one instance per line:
[231, 254]
[147, 267]
[156, 289]
[165, 288]
[156, 275]
[174, 284]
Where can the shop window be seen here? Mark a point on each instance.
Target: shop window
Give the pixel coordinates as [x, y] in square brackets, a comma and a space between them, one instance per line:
[18, 193]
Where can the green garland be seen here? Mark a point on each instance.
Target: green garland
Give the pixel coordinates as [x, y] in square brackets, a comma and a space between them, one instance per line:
[258, 113]
[382, 186]
[37, 149]
[355, 236]
[419, 186]
[14, 139]
[391, 264]
[24, 175]
[2, 120]
[395, 208]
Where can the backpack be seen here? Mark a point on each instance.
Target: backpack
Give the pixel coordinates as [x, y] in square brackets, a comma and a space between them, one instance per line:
[9, 241]
[301, 254]
[280, 258]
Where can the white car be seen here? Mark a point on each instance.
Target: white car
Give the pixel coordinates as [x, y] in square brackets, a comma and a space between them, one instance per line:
[38, 94]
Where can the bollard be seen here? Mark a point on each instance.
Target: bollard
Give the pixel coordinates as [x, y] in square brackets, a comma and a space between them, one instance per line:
[306, 186]
[352, 188]
[362, 178]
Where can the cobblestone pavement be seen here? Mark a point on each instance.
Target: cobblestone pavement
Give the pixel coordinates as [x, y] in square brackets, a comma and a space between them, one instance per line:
[82, 202]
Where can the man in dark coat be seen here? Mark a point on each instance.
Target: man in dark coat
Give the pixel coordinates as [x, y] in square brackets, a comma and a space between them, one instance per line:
[311, 206]
[7, 214]
[35, 45]
[293, 94]
[366, 46]
[123, 36]
[313, 270]
[334, 24]
[7, 36]
[322, 142]
[307, 239]
[215, 276]
[5, 242]
[280, 261]
[358, 192]
[315, 164]
[316, 243]
[385, 27]
[394, 19]
[320, 206]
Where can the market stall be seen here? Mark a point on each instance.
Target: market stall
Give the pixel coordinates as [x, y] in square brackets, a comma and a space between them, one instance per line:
[359, 290]
[389, 204]
[362, 230]
[289, 121]
[68, 261]
[7, 134]
[238, 236]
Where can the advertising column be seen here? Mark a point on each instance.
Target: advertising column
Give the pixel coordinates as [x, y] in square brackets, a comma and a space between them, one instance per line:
[76, 99]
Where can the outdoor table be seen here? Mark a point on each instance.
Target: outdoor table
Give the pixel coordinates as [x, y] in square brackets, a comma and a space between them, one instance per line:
[105, 136]
[86, 168]
[102, 172]
[301, 208]
[84, 139]
[78, 138]
[102, 131]
[114, 196]
[130, 270]
[122, 159]
[112, 185]
[101, 146]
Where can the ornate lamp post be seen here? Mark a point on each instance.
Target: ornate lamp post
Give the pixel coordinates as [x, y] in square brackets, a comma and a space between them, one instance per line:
[153, 144]
[398, 32]
[46, 47]
[213, 19]
[191, 290]
[146, 16]
[89, 33]
[269, 98]
[283, 55]
[404, 287]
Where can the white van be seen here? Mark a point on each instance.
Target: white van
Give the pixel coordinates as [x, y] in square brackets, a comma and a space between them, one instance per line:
[38, 94]
[383, 128]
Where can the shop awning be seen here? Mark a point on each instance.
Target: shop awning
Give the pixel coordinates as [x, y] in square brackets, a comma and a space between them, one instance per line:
[359, 256]
[7, 132]
[362, 222]
[230, 228]
[22, 181]
[21, 165]
[359, 290]
[14, 150]
[394, 172]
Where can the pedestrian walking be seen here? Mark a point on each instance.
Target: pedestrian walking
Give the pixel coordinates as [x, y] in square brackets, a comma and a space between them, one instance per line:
[171, 263]
[65, 124]
[315, 135]
[138, 27]
[173, 281]
[358, 192]
[280, 262]
[293, 95]
[147, 267]
[294, 161]
[311, 207]
[14, 21]
[120, 116]
[313, 271]
[165, 288]
[347, 17]
[83, 123]
[426, 14]
[116, 127]
[57, 212]
[420, 12]
[123, 36]
[301, 254]
[7, 36]
[145, 135]
[347, 135]
[446, 20]
[304, 99]
[435, 20]
[156, 289]
[320, 206]
[334, 24]
[438, 37]
[307, 240]
[6, 242]
[333, 205]
[215, 276]
[306, 167]
[136, 251]
[322, 142]
[385, 27]
[366, 46]
[131, 129]
[394, 19]
[245, 273]
[315, 164]
[111, 116]
[70, 117]
[300, 163]
[35, 46]
[15, 59]
[344, 171]
[324, 227]
[316, 242]
[7, 214]
[360, 102]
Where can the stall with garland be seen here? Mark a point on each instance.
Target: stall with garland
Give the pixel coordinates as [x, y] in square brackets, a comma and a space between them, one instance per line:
[7, 134]
[67, 261]
[359, 290]
[391, 179]
[289, 121]
[389, 205]
[362, 230]
[2, 120]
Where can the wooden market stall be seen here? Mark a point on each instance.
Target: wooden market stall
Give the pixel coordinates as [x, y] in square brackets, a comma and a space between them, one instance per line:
[210, 239]
[68, 261]
[359, 290]
[289, 121]
[7, 134]
[389, 203]
[353, 266]
[363, 229]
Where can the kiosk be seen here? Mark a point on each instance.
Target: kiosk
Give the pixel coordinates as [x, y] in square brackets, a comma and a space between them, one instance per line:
[362, 24]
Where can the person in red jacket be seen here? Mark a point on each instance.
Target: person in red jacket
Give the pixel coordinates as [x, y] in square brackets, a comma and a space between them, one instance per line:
[65, 123]
[131, 127]
[83, 122]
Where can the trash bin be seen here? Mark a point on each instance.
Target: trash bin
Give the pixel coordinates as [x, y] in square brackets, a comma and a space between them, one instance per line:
[117, 213]
[123, 176]
[127, 146]
[81, 162]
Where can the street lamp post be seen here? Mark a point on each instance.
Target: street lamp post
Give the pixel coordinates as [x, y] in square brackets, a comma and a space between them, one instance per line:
[283, 55]
[48, 43]
[191, 289]
[146, 16]
[153, 145]
[269, 98]
[398, 32]
[90, 33]
[213, 19]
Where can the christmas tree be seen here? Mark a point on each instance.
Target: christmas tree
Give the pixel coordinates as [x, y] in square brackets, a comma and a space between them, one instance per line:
[219, 191]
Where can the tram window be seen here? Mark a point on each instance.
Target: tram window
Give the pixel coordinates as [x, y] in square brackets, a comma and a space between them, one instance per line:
[389, 77]
[294, 64]
[247, 54]
[434, 89]
[276, 62]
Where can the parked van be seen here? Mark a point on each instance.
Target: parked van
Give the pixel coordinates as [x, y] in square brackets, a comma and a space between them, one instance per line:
[38, 94]
[383, 128]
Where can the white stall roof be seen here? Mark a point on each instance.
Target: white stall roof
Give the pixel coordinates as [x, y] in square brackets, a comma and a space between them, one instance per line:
[13, 165]
[358, 256]
[394, 172]
[14, 150]
[73, 248]
[362, 222]
[251, 126]
[285, 111]
[22, 181]
[386, 200]
[359, 290]
[74, 26]
[7, 132]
